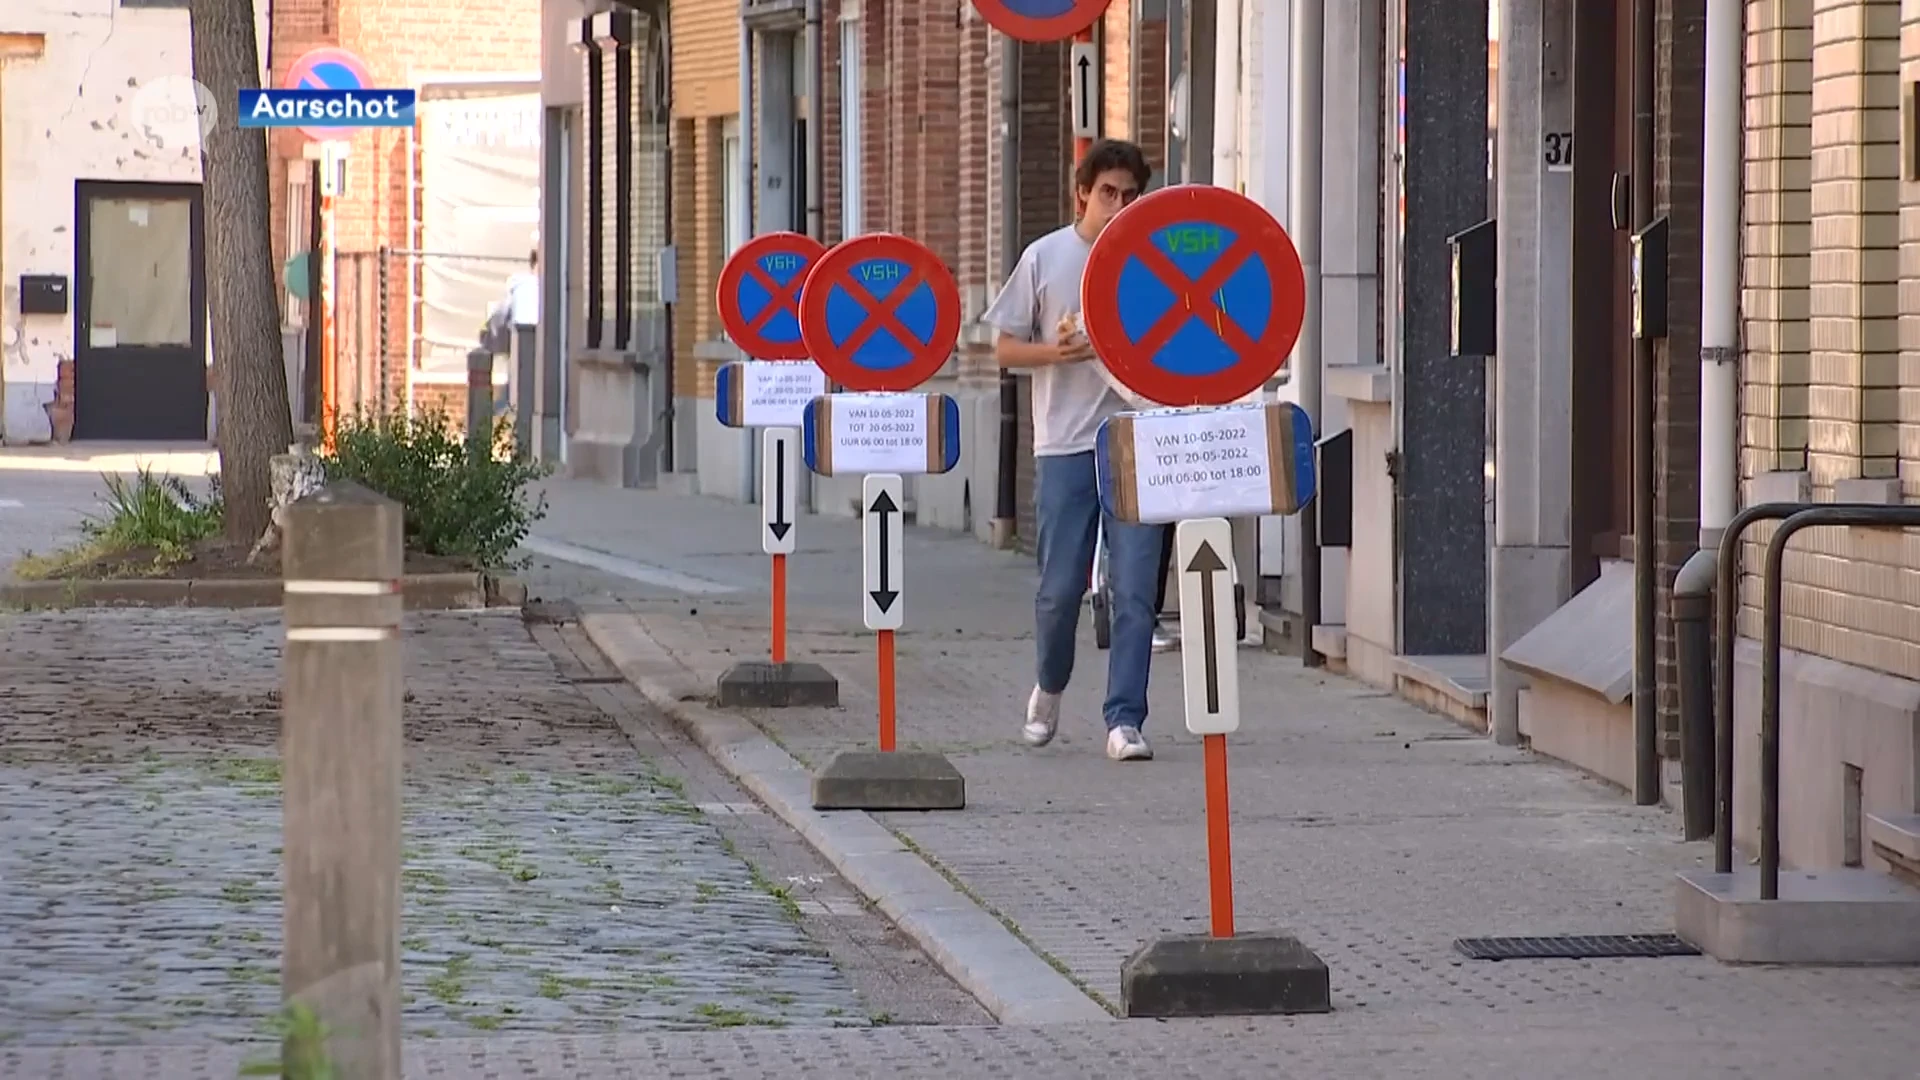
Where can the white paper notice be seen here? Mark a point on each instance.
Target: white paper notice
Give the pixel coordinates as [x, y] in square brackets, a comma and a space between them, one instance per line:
[776, 393]
[879, 433]
[1202, 462]
[102, 337]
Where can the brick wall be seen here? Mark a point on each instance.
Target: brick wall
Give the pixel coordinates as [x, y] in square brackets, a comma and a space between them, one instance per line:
[1826, 386]
[706, 90]
[399, 40]
[1679, 103]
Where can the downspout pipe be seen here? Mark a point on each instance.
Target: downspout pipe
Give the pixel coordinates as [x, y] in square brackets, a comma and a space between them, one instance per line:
[816, 120]
[1720, 271]
[1646, 731]
[1006, 510]
[816, 66]
[1693, 589]
[1304, 222]
[748, 489]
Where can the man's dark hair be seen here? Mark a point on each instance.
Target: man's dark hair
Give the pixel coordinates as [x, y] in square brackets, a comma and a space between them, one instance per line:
[1109, 154]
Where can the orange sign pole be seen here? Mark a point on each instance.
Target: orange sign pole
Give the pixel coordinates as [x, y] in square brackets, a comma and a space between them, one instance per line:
[329, 373]
[1219, 837]
[886, 690]
[779, 609]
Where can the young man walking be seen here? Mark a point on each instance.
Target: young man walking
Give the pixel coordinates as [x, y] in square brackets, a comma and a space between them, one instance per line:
[1037, 316]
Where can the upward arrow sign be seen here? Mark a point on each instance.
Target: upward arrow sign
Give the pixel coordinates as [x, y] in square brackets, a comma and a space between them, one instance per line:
[885, 595]
[1206, 562]
[1084, 89]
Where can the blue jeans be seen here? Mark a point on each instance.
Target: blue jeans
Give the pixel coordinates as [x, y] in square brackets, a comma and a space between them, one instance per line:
[1067, 507]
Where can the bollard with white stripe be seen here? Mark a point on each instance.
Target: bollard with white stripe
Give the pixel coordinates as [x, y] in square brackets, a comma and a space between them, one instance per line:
[340, 752]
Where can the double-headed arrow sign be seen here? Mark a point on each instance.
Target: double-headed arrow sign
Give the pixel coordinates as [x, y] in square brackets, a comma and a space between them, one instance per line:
[1209, 661]
[882, 548]
[779, 489]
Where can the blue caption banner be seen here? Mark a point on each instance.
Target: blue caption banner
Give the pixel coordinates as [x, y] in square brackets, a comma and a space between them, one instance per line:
[326, 108]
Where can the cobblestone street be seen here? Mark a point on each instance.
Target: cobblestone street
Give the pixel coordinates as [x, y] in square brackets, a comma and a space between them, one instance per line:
[553, 880]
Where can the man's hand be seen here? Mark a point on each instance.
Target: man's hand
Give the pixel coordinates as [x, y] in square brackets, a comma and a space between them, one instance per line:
[1073, 350]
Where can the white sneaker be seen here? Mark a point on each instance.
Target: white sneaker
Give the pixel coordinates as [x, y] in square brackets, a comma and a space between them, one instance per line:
[1043, 718]
[1125, 743]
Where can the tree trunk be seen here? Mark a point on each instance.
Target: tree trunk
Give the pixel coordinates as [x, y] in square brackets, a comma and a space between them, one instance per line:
[250, 375]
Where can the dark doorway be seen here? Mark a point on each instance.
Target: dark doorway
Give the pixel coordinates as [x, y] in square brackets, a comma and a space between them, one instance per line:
[140, 312]
[1602, 347]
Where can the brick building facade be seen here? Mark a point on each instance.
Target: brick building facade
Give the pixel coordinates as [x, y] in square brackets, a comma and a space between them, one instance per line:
[403, 43]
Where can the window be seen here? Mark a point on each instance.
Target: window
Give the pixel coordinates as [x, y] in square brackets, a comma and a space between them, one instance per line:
[851, 219]
[299, 232]
[733, 188]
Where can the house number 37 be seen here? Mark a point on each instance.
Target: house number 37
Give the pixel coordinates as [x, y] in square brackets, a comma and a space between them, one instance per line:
[1558, 150]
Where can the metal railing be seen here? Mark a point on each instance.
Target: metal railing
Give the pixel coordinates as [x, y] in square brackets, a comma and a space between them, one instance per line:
[1851, 514]
[1726, 612]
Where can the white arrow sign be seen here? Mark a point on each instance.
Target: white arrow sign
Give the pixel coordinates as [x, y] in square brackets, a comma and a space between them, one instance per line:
[1084, 63]
[882, 549]
[779, 489]
[1209, 655]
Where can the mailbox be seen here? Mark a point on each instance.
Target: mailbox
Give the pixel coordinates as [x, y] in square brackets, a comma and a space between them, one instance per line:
[1649, 281]
[1475, 273]
[43, 294]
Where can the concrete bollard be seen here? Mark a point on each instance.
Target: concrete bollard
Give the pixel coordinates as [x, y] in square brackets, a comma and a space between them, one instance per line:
[480, 397]
[341, 748]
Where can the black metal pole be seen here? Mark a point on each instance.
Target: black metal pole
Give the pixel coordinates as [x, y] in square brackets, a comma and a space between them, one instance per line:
[1693, 645]
[1770, 614]
[1725, 635]
[1646, 744]
[1006, 510]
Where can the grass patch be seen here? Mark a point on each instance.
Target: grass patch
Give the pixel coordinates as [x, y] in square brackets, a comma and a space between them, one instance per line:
[145, 513]
[449, 983]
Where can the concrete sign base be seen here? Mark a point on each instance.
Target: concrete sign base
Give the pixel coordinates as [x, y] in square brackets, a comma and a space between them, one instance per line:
[1270, 974]
[759, 684]
[872, 780]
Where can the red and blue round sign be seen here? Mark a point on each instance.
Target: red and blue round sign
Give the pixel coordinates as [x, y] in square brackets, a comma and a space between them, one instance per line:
[1193, 295]
[328, 68]
[880, 313]
[758, 294]
[1040, 20]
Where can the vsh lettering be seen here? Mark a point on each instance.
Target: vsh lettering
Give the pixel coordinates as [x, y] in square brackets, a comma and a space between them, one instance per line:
[1190, 239]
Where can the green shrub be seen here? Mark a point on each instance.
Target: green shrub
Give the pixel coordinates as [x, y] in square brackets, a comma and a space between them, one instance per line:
[463, 498]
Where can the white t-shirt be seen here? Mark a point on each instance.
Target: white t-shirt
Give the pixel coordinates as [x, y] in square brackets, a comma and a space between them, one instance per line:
[1070, 401]
[523, 298]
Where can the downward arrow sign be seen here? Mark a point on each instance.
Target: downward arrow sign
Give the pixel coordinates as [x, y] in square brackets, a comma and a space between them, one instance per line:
[1206, 562]
[779, 525]
[885, 595]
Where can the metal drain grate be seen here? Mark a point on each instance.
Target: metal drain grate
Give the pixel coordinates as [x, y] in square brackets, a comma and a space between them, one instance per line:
[1574, 947]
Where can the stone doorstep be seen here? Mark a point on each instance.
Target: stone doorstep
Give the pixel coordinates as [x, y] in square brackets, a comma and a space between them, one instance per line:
[423, 592]
[1848, 916]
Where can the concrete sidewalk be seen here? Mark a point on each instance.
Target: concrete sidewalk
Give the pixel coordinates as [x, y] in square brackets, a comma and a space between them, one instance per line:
[1377, 832]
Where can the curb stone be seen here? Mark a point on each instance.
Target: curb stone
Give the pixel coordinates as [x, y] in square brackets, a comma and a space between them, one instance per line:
[423, 592]
[969, 943]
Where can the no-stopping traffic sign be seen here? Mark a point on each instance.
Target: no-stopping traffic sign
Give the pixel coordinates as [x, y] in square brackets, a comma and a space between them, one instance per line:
[759, 294]
[1193, 296]
[1040, 20]
[880, 313]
